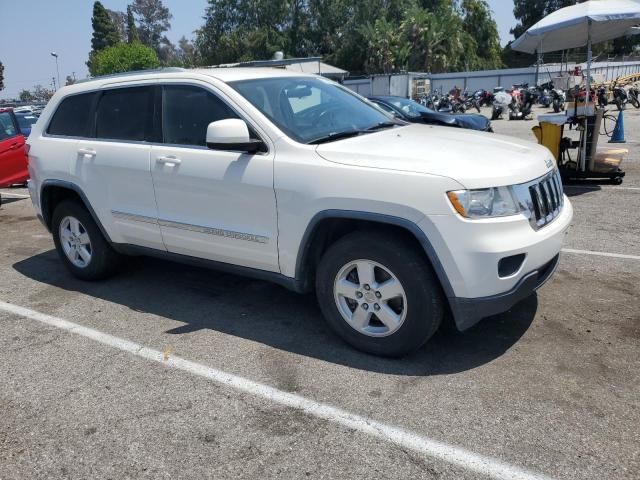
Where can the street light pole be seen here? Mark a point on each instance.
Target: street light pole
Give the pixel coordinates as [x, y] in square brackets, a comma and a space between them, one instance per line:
[54, 54]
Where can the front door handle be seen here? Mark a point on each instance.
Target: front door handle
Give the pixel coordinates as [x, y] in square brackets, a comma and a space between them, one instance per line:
[87, 152]
[169, 161]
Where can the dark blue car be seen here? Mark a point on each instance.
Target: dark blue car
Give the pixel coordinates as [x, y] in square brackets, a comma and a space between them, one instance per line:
[414, 112]
[25, 121]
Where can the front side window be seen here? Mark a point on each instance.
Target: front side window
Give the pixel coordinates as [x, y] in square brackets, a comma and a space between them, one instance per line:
[188, 111]
[7, 127]
[125, 114]
[312, 110]
[74, 117]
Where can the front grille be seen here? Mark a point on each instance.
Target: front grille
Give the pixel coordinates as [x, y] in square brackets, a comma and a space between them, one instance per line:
[547, 199]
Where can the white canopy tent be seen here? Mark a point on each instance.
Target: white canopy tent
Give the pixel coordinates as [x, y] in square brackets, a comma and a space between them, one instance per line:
[583, 24]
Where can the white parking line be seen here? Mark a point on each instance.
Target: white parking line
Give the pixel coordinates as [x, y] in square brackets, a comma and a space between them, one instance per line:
[435, 449]
[608, 188]
[601, 254]
[13, 195]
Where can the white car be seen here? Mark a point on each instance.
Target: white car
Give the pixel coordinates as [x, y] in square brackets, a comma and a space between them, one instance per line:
[295, 179]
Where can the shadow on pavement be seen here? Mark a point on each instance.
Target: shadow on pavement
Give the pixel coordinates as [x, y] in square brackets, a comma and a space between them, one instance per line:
[271, 315]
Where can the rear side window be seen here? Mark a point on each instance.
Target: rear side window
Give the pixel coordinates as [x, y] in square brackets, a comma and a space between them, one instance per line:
[188, 111]
[7, 127]
[125, 114]
[74, 116]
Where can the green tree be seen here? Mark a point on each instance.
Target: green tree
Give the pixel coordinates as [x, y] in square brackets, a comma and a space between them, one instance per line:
[153, 21]
[124, 57]
[25, 96]
[1, 76]
[132, 30]
[105, 33]
[530, 12]
[482, 32]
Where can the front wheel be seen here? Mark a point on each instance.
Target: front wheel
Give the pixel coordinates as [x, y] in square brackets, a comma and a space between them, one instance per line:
[379, 293]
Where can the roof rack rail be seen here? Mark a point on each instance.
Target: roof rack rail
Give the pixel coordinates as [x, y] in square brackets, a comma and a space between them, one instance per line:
[134, 72]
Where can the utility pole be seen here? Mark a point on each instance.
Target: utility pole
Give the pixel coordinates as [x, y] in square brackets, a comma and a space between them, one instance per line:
[53, 83]
[54, 54]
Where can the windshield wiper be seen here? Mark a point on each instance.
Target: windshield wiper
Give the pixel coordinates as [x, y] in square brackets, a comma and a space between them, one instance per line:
[336, 136]
[381, 125]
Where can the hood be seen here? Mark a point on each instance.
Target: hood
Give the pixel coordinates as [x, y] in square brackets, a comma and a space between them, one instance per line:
[464, 120]
[474, 159]
[472, 121]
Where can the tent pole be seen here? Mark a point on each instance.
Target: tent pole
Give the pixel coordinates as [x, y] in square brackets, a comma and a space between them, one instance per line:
[583, 160]
[537, 68]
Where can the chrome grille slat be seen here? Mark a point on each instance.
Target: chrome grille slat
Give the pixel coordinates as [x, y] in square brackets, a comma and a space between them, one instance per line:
[546, 199]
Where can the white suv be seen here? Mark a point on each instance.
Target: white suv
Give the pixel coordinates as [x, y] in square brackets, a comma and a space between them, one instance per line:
[295, 179]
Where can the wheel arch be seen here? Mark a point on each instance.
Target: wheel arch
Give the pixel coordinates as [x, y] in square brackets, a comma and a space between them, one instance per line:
[52, 192]
[329, 225]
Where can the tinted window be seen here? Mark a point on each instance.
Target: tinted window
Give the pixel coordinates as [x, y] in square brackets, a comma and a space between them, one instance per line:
[74, 117]
[187, 113]
[125, 114]
[7, 127]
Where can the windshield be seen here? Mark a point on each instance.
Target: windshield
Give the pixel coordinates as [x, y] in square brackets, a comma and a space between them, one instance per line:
[409, 107]
[26, 121]
[311, 110]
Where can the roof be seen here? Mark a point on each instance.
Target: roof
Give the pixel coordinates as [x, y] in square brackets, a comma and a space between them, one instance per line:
[224, 74]
[233, 74]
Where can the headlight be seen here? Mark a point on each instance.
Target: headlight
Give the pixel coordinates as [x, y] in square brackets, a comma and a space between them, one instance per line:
[485, 202]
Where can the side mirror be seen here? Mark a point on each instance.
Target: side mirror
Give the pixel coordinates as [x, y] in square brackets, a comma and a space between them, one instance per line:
[232, 134]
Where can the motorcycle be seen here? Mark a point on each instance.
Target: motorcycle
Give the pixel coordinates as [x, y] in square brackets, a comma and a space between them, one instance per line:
[620, 97]
[501, 103]
[634, 93]
[558, 100]
[484, 98]
[522, 108]
[603, 96]
[472, 101]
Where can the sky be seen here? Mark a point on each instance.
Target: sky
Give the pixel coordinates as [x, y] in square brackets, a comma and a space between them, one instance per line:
[32, 29]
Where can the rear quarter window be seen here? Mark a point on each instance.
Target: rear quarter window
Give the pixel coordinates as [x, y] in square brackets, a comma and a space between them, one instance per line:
[74, 116]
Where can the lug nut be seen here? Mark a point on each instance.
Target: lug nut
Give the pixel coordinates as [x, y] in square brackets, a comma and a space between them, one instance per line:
[376, 307]
[358, 294]
[365, 306]
[367, 287]
[378, 295]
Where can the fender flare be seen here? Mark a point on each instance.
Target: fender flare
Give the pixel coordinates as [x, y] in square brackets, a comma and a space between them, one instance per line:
[408, 225]
[75, 188]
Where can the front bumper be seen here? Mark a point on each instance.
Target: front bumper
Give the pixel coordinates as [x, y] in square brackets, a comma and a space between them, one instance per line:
[469, 254]
[469, 311]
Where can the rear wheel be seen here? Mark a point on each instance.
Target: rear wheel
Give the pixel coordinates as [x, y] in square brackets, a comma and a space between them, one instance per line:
[379, 294]
[80, 244]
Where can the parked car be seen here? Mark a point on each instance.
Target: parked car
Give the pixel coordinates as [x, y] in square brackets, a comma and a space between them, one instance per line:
[415, 112]
[25, 121]
[13, 157]
[295, 179]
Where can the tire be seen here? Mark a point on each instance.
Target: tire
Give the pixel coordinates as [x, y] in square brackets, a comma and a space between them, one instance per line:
[634, 101]
[416, 312]
[556, 107]
[494, 114]
[102, 261]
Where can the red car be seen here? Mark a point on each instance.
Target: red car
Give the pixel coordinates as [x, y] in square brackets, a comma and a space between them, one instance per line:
[13, 153]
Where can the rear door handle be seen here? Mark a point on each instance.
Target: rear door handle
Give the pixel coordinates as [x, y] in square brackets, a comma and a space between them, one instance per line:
[14, 146]
[169, 160]
[87, 152]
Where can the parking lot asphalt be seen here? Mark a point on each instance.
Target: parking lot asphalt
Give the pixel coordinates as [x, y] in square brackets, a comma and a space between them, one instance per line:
[550, 389]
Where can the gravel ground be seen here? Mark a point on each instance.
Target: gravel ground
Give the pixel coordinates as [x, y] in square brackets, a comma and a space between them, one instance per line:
[553, 386]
